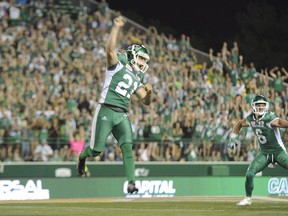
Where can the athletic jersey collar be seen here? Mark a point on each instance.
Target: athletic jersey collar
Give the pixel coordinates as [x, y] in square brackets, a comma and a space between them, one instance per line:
[259, 118]
[129, 67]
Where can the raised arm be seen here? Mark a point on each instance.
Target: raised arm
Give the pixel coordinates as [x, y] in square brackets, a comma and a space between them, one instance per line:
[272, 72]
[111, 45]
[285, 72]
[282, 123]
[241, 123]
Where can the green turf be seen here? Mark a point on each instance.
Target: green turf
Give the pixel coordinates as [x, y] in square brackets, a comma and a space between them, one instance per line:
[155, 208]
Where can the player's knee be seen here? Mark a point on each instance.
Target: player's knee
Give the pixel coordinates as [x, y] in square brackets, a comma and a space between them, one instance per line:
[126, 146]
[250, 174]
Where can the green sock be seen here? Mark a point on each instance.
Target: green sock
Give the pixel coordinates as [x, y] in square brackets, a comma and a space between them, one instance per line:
[249, 183]
[128, 161]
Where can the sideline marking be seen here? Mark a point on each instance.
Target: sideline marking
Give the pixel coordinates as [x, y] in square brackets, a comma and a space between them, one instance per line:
[152, 199]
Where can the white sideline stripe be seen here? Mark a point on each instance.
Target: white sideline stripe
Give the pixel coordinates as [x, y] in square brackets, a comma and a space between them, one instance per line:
[152, 199]
[122, 200]
[271, 199]
[92, 209]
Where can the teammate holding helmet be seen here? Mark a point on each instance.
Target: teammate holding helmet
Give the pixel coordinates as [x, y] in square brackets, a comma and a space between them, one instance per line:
[123, 77]
[265, 124]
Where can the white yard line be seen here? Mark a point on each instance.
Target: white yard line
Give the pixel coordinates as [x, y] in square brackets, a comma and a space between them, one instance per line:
[158, 199]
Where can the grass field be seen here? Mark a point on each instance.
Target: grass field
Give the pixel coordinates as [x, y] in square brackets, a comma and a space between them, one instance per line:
[177, 206]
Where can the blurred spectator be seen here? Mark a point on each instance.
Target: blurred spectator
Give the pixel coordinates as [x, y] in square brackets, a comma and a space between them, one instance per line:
[65, 153]
[14, 13]
[26, 134]
[42, 152]
[143, 152]
[118, 154]
[109, 152]
[4, 5]
[54, 133]
[279, 79]
[56, 156]
[234, 56]
[187, 128]
[174, 152]
[191, 153]
[177, 132]
[219, 139]
[16, 155]
[77, 140]
[217, 63]
[3, 153]
[103, 16]
[155, 131]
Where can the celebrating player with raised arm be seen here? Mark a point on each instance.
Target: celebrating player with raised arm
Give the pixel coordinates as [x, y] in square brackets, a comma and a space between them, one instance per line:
[265, 124]
[122, 79]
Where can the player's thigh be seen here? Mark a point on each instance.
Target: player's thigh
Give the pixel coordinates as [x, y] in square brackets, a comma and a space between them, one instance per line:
[101, 128]
[123, 131]
[282, 159]
[259, 163]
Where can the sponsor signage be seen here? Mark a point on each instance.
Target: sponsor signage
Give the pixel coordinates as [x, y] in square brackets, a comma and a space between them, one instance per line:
[141, 172]
[51, 188]
[14, 190]
[152, 188]
[278, 186]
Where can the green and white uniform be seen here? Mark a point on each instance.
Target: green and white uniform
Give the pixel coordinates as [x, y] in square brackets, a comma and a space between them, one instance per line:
[271, 145]
[269, 138]
[111, 114]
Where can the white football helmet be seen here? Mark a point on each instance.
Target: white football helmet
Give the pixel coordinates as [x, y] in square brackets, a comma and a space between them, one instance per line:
[260, 105]
[138, 57]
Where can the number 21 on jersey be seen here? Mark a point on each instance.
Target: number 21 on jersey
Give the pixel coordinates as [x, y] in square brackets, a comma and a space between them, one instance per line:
[124, 86]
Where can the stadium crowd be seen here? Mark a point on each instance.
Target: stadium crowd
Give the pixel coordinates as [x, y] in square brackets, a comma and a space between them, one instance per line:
[51, 71]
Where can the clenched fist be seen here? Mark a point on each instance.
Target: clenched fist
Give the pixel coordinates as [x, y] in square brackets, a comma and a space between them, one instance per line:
[148, 87]
[119, 21]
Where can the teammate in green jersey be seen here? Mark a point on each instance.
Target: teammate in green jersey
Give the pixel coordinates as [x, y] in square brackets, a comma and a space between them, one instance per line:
[122, 79]
[265, 124]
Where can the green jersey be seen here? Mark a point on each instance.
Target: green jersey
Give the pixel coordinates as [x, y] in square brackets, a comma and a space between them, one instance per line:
[120, 83]
[278, 84]
[269, 137]
[219, 133]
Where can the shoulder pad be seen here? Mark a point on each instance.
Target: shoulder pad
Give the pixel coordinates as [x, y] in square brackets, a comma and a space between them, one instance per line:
[122, 58]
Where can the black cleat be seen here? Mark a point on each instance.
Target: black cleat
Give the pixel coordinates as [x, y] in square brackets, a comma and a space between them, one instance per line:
[131, 188]
[81, 167]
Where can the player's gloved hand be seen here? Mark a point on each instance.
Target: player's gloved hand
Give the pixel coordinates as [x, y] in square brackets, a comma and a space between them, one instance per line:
[234, 142]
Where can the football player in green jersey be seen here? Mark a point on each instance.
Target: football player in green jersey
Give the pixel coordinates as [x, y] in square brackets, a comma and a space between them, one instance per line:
[122, 79]
[265, 125]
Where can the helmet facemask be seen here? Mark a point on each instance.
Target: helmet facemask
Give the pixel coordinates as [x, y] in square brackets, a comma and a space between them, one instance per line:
[260, 107]
[138, 58]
